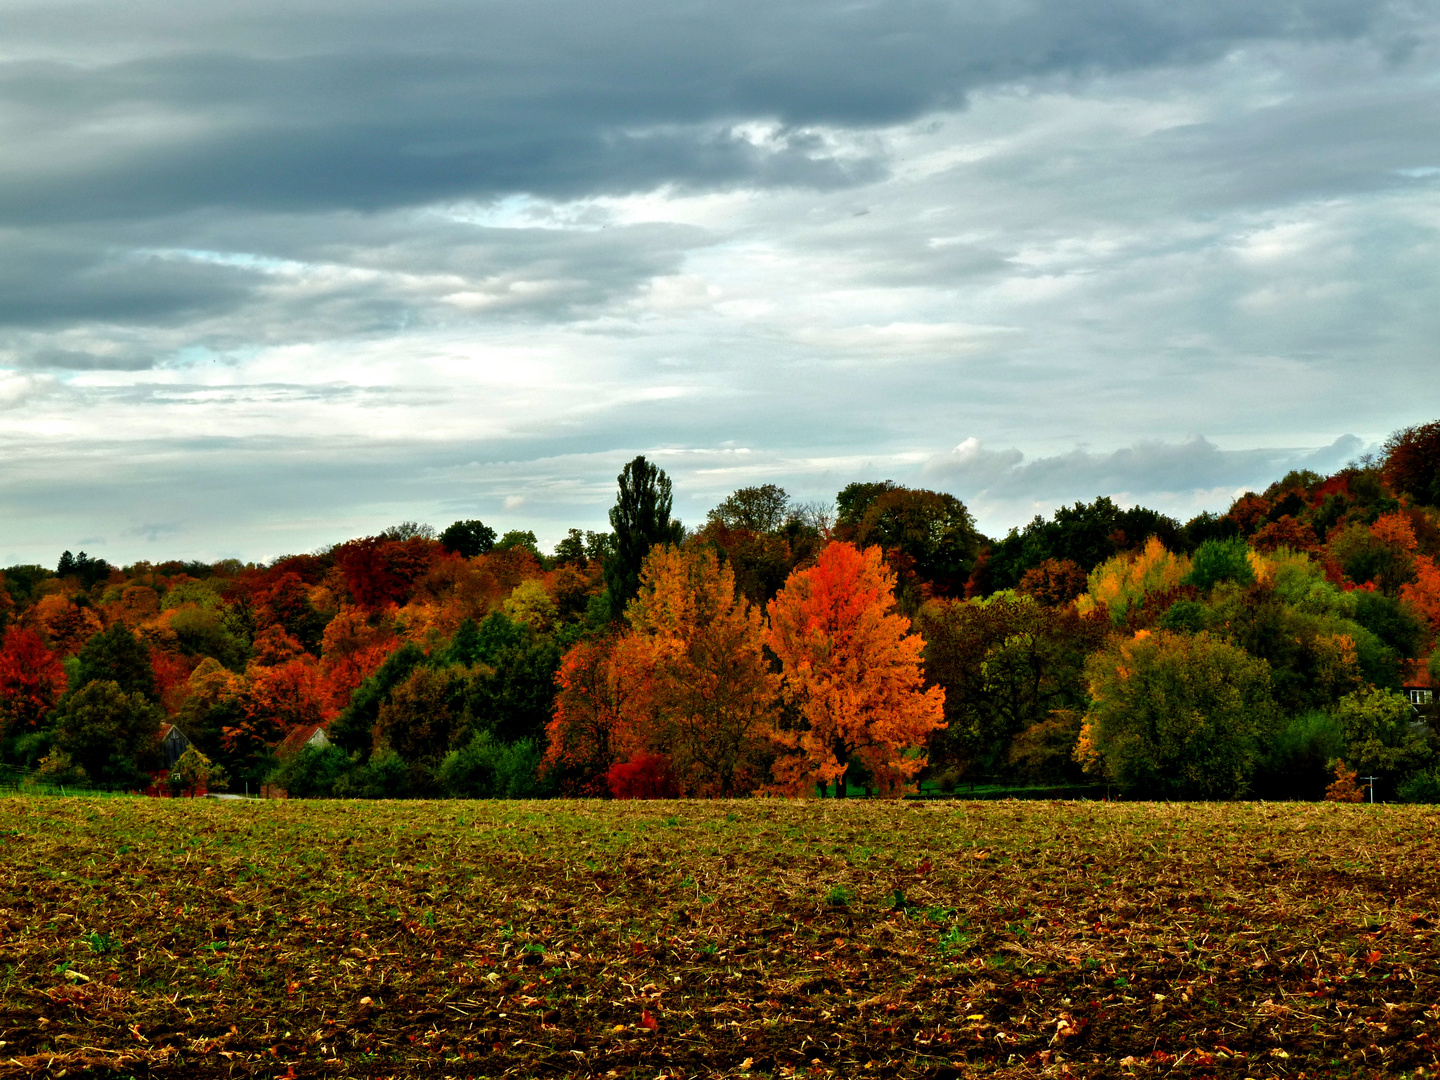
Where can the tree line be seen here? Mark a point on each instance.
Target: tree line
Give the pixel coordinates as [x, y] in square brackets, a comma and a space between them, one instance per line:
[867, 644]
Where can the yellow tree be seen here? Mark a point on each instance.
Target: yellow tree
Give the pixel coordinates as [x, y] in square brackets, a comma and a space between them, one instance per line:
[852, 671]
[1124, 581]
[714, 692]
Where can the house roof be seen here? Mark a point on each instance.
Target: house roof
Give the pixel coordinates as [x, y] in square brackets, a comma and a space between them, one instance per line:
[166, 730]
[297, 740]
[173, 742]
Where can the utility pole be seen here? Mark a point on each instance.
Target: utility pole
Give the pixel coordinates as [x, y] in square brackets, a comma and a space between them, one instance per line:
[1371, 787]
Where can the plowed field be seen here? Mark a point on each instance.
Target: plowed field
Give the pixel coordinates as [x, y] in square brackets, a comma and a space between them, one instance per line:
[758, 938]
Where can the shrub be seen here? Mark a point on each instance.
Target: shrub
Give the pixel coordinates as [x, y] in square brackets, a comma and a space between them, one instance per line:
[194, 770]
[646, 776]
[1420, 787]
[386, 776]
[1298, 762]
[1344, 789]
[485, 768]
[312, 773]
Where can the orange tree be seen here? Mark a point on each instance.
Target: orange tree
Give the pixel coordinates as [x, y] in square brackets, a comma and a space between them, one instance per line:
[852, 674]
[714, 692]
[604, 693]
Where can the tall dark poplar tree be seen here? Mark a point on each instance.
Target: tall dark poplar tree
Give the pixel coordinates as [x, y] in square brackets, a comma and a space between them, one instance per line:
[641, 519]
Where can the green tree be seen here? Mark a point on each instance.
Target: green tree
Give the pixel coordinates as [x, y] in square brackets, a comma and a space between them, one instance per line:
[520, 538]
[1393, 621]
[1220, 560]
[112, 735]
[486, 769]
[409, 530]
[760, 509]
[385, 776]
[928, 535]
[599, 546]
[1299, 758]
[468, 538]
[853, 500]
[1177, 715]
[1381, 735]
[421, 715]
[641, 519]
[1007, 663]
[89, 571]
[209, 632]
[353, 729]
[512, 692]
[571, 550]
[1316, 656]
[119, 656]
[1086, 534]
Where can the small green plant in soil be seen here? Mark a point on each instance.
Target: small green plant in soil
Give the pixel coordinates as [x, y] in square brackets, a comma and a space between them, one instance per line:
[180, 938]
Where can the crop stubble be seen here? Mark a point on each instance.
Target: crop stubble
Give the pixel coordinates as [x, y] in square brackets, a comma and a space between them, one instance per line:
[820, 938]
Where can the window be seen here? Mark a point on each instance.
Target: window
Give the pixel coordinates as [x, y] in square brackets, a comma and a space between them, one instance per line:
[1421, 697]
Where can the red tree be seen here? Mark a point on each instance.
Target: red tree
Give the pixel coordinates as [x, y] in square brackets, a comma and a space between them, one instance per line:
[31, 680]
[1412, 462]
[379, 571]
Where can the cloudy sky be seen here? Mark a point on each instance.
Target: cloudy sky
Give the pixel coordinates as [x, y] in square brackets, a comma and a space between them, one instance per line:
[276, 274]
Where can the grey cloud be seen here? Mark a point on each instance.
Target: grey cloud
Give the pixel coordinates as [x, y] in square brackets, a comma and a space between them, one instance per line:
[560, 99]
[294, 134]
[22, 390]
[230, 280]
[155, 532]
[55, 278]
[1353, 131]
[72, 360]
[1146, 468]
[1065, 260]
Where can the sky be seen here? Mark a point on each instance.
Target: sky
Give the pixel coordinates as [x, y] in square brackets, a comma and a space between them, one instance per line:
[278, 274]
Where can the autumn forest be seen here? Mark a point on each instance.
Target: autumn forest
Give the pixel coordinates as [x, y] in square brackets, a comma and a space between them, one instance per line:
[877, 645]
